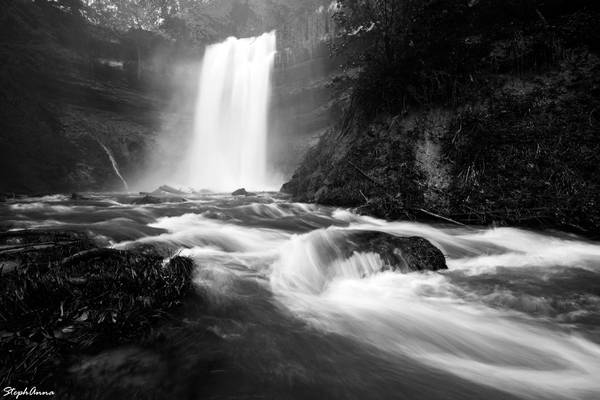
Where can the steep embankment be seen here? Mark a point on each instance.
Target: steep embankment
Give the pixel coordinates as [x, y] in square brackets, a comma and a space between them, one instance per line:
[515, 140]
[69, 90]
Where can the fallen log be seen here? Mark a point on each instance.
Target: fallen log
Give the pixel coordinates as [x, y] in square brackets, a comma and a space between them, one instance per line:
[440, 217]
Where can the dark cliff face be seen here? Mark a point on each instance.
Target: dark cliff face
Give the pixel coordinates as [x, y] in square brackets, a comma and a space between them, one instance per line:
[304, 103]
[72, 91]
[519, 145]
[304, 97]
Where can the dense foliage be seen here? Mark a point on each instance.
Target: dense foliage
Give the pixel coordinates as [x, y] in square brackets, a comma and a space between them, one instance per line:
[485, 111]
[418, 53]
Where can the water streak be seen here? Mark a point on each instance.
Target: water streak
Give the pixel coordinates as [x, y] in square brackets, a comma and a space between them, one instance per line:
[114, 165]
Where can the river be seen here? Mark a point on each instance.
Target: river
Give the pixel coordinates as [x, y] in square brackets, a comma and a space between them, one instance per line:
[516, 315]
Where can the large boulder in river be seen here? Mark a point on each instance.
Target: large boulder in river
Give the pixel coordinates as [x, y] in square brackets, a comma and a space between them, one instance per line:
[399, 253]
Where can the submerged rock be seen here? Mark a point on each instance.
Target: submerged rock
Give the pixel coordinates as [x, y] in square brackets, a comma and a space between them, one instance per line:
[399, 253]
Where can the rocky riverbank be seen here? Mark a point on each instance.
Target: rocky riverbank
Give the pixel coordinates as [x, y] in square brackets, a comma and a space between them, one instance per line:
[515, 142]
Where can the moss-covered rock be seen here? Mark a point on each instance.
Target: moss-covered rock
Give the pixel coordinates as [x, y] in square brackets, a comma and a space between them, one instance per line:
[93, 299]
[399, 253]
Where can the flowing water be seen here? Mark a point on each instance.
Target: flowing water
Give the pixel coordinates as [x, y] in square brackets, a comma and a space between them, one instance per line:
[230, 130]
[114, 164]
[516, 315]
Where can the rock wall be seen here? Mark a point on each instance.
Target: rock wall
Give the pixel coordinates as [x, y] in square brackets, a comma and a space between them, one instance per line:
[70, 87]
[304, 98]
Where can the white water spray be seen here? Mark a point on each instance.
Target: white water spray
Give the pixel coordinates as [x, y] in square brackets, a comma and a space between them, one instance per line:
[230, 129]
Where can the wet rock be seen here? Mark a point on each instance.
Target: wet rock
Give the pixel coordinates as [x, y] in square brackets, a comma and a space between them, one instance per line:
[240, 192]
[399, 253]
[147, 199]
[166, 189]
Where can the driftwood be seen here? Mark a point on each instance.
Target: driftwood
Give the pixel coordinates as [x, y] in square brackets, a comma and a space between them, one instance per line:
[475, 216]
[363, 195]
[440, 217]
[365, 175]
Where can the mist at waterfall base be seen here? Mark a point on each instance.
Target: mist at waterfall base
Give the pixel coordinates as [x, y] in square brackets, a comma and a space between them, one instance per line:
[225, 147]
[517, 314]
[216, 131]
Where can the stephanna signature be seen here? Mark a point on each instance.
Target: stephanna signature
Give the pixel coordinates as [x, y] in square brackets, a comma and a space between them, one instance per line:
[16, 393]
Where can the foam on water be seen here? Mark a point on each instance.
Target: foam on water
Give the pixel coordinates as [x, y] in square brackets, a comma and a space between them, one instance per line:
[508, 313]
[426, 317]
[195, 230]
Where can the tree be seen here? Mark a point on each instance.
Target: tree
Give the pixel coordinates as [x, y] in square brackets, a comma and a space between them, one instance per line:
[134, 17]
[239, 14]
[382, 24]
[123, 15]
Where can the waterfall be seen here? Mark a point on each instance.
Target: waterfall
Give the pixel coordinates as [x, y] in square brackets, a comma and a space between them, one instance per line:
[114, 165]
[230, 128]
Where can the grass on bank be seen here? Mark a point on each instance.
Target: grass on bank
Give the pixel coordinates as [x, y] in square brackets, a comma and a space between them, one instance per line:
[82, 303]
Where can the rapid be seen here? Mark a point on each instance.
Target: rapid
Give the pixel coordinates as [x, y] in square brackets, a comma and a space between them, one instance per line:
[516, 315]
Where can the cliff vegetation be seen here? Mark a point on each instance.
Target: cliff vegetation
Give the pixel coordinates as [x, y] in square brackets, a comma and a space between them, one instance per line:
[471, 111]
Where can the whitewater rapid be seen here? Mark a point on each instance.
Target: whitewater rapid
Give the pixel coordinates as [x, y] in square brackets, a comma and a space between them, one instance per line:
[517, 311]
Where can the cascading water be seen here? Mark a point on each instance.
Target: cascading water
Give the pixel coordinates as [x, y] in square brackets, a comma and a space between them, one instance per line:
[230, 129]
[293, 314]
[114, 164]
